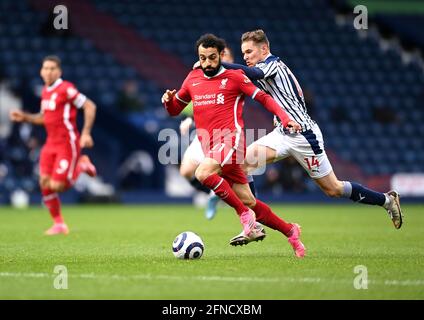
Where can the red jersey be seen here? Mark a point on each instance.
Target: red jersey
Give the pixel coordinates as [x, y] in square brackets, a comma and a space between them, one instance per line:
[59, 104]
[218, 103]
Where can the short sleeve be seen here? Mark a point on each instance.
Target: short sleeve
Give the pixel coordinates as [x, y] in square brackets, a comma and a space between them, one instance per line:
[75, 97]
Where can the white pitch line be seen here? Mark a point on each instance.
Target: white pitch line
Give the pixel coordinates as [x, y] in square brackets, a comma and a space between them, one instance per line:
[404, 283]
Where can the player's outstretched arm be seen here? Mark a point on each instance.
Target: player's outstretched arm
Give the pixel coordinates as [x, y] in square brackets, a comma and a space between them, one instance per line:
[86, 140]
[173, 103]
[247, 87]
[168, 95]
[17, 115]
[253, 73]
[272, 106]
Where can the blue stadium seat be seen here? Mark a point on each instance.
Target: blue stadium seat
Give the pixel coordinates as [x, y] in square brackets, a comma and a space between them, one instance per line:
[340, 69]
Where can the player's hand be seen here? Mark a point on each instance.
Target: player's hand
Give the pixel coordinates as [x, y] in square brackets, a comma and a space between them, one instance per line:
[196, 65]
[168, 95]
[185, 125]
[17, 115]
[293, 127]
[86, 141]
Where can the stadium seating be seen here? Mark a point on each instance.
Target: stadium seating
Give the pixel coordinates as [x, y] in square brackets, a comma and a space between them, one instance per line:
[353, 81]
[341, 69]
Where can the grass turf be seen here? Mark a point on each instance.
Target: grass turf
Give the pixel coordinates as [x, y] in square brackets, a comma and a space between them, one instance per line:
[124, 252]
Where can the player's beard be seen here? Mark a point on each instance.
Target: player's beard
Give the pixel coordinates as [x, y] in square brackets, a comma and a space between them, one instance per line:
[212, 71]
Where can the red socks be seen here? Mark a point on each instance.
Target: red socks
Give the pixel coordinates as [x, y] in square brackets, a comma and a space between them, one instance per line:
[263, 212]
[223, 190]
[52, 202]
[265, 215]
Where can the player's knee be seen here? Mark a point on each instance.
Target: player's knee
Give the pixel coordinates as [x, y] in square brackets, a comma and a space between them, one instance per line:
[57, 186]
[202, 173]
[44, 182]
[186, 173]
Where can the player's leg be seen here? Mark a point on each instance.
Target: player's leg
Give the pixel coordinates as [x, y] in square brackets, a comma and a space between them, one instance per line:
[263, 212]
[244, 193]
[257, 156]
[187, 169]
[85, 165]
[308, 149]
[266, 216]
[252, 186]
[208, 173]
[268, 149]
[50, 197]
[62, 178]
[50, 191]
[211, 207]
[356, 192]
[193, 156]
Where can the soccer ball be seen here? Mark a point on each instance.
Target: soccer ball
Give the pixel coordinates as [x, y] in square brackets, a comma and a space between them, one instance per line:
[188, 245]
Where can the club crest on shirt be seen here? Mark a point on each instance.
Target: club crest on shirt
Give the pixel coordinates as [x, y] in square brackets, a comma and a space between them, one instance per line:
[223, 83]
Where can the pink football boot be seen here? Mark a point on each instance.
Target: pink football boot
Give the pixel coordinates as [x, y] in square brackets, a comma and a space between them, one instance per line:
[294, 240]
[57, 228]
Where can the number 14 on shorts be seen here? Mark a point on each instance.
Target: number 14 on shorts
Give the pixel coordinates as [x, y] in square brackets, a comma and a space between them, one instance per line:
[312, 163]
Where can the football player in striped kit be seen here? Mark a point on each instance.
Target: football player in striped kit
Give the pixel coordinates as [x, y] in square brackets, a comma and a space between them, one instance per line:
[307, 147]
[61, 161]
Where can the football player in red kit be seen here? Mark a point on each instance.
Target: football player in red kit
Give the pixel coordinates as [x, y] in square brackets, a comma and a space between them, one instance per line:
[60, 160]
[218, 98]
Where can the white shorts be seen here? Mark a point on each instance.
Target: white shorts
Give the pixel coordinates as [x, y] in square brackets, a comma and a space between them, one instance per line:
[306, 147]
[194, 152]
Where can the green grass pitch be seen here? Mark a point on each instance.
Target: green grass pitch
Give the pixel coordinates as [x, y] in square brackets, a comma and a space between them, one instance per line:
[124, 252]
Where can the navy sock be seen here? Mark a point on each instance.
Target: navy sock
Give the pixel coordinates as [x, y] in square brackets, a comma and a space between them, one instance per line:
[251, 184]
[359, 193]
[197, 185]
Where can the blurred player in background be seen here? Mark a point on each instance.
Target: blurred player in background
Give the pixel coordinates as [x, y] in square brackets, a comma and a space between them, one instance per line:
[218, 99]
[60, 158]
[307, 147]
[193, 155]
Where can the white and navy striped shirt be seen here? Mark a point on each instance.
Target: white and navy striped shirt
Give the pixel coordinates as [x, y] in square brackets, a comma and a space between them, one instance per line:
[282, 85]
[276, 79]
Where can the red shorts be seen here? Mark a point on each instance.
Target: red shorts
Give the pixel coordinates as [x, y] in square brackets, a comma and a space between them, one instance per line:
[229, 151]
[59, 161]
